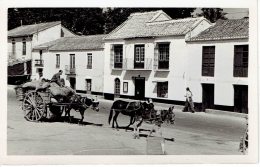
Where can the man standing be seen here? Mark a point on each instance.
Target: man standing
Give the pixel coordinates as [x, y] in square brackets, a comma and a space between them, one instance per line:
[56, 78]
[189, 105]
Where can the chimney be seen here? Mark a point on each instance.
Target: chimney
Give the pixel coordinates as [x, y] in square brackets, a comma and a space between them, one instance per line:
[21, 22]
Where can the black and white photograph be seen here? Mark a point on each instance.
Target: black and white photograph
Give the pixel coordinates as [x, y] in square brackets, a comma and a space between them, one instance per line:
[131, 81]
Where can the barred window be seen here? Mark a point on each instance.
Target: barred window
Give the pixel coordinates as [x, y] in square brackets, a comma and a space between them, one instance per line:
[208, 60]
[240, 61]
[57, 60]
[163, 61]
[162, 89]
[89, 64]
[24, 47]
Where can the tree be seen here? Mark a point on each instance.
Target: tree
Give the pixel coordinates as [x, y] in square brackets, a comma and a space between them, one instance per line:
[213, 14]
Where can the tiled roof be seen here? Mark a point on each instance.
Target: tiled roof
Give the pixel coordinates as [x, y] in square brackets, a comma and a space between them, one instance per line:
[26, 30]
[90, 42]
[140, 25]
[225, 29]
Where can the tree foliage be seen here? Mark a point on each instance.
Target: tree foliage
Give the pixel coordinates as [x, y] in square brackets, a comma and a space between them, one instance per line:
[85, 21]
[213, 14]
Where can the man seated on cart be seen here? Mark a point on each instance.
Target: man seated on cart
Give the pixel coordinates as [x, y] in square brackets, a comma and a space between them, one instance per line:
[56, 78]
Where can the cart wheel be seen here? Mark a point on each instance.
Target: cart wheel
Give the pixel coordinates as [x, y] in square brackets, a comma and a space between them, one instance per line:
[33, 106]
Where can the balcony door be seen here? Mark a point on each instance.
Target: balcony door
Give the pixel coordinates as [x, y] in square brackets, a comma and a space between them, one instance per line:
[139, 56]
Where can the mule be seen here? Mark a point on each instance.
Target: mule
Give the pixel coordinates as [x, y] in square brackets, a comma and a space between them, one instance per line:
[156, 117]
[131, 109]
[80, 104]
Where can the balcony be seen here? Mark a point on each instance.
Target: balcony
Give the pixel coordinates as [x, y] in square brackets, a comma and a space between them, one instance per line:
[38, 63]
[131, 64]
[69, 70]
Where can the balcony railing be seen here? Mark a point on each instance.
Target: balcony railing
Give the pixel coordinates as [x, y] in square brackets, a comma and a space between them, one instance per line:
[39, 63]
[69, 70]
[131, 64]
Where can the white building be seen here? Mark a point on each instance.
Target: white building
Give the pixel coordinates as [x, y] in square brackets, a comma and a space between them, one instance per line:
[81, 58]
[148, 57]
[21, 40]
[217, 70]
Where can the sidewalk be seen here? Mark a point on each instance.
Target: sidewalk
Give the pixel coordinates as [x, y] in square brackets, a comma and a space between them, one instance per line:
[160, 106]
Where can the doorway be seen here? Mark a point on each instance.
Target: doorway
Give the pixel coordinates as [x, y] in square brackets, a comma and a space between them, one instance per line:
[241, 98]
[139, 88]
[117, 87]
[73, 82]
[88, 86]
[207, 96]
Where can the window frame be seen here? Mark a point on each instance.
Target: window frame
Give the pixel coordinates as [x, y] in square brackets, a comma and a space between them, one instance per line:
[208, 61]
[163, 55]
[57, 60]
[240, 66]
[24, 47]
[89, 61]
[118, 55]
[160, 92]
[139, 53]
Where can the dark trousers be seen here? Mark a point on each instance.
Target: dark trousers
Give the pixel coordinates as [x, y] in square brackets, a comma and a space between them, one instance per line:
[189, 106]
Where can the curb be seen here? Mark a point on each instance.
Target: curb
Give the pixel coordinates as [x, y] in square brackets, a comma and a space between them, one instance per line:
[226, 113]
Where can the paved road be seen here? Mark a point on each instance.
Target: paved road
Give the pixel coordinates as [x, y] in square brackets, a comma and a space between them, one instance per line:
[195, 134]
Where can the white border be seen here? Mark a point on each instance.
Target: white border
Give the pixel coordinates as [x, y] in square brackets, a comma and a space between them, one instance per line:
[252, 157]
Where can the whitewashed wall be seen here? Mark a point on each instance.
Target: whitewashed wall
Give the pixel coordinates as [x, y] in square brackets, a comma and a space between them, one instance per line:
[41, 37]
[175, 75]
[223, 79]
[19, 47]
[96, 73]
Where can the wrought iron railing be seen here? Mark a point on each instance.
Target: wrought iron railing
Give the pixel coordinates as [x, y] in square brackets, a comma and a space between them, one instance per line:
[132, 64]
[39, 63]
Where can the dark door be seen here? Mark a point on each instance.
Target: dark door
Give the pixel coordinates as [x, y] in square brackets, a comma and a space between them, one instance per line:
[241, 98]
[73, 83]
[139, 56]
[207, 96]
[139, 88]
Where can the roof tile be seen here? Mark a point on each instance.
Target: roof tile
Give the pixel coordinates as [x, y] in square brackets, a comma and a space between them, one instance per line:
[26, 30]
[225, 29]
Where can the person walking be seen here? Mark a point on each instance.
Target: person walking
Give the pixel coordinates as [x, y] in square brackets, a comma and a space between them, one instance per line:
[189, 105]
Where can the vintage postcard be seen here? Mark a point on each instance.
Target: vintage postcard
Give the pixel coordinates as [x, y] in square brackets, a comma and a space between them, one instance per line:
[129, 82]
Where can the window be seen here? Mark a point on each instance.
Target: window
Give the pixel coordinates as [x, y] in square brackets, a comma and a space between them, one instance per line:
[72, 61]
[57, 60]
[89, 65]
[162, 89]
[13, 48]
[24, 47]
[117, 86]
[118, 56]
[208, 60]
[240, 61]
[139, 56]
[139, 53]
[163, 60]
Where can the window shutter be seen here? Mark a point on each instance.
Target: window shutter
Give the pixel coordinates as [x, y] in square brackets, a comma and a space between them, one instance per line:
[155, 65]
[112, 56]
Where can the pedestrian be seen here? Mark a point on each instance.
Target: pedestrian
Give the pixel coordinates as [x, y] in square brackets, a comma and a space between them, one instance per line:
[56, 78]
[189, 105]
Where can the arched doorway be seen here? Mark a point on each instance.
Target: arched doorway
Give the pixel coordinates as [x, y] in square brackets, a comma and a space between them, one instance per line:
[117, 87]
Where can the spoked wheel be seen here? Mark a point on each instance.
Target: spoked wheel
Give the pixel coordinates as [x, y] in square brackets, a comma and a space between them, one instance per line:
[34, 107]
